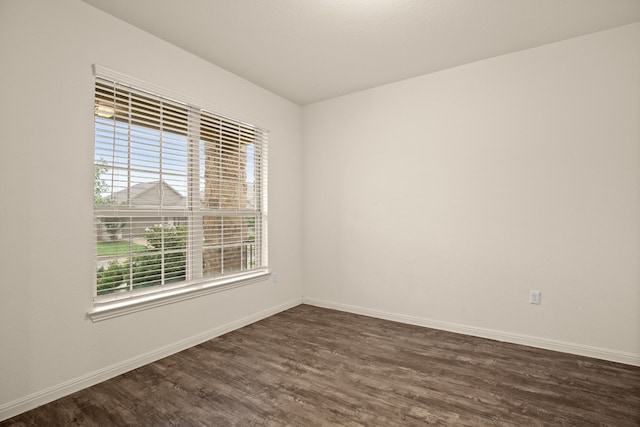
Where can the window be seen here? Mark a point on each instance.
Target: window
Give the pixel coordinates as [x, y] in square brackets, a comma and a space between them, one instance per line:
[179, 194]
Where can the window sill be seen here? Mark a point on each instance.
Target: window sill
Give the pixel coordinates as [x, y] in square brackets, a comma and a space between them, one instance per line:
[131, 304]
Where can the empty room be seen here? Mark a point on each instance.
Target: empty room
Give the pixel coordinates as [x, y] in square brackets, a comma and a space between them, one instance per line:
[320, 212]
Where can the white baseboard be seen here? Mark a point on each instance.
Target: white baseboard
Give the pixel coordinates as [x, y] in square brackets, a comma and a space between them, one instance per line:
[545, 343]
[50, 394]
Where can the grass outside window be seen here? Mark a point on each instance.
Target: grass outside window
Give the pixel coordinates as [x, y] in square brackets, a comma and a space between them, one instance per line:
[120, 247]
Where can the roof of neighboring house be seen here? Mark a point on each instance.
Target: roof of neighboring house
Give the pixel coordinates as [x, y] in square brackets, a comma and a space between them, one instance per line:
[150, 192]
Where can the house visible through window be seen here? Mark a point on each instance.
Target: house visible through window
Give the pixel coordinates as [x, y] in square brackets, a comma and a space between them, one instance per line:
[179, 193]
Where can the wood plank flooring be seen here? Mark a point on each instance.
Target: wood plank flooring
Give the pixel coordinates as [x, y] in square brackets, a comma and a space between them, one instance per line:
[310, 366]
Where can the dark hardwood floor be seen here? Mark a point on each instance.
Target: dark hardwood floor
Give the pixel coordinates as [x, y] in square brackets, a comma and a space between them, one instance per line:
[310, 366]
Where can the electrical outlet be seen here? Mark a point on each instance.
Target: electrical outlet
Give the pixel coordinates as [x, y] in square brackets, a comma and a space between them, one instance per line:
[274, 277]
[534, 297]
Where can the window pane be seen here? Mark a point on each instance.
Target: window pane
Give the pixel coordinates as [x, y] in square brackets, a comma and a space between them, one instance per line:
[140, 166]
[138, 252]
[229, 244]
[227, 163]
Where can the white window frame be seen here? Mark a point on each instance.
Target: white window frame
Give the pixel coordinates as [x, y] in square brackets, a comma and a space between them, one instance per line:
[120, 303]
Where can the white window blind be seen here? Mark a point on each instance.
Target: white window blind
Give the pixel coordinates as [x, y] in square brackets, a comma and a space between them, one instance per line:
[180, 193]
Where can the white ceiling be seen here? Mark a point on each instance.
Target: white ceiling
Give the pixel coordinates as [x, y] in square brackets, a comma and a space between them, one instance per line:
[310, 50]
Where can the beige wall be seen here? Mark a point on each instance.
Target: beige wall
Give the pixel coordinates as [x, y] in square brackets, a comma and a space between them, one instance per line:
[443, 200]
[46, 150]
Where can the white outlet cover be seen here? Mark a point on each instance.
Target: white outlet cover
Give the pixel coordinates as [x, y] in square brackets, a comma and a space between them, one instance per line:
[534, 297]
